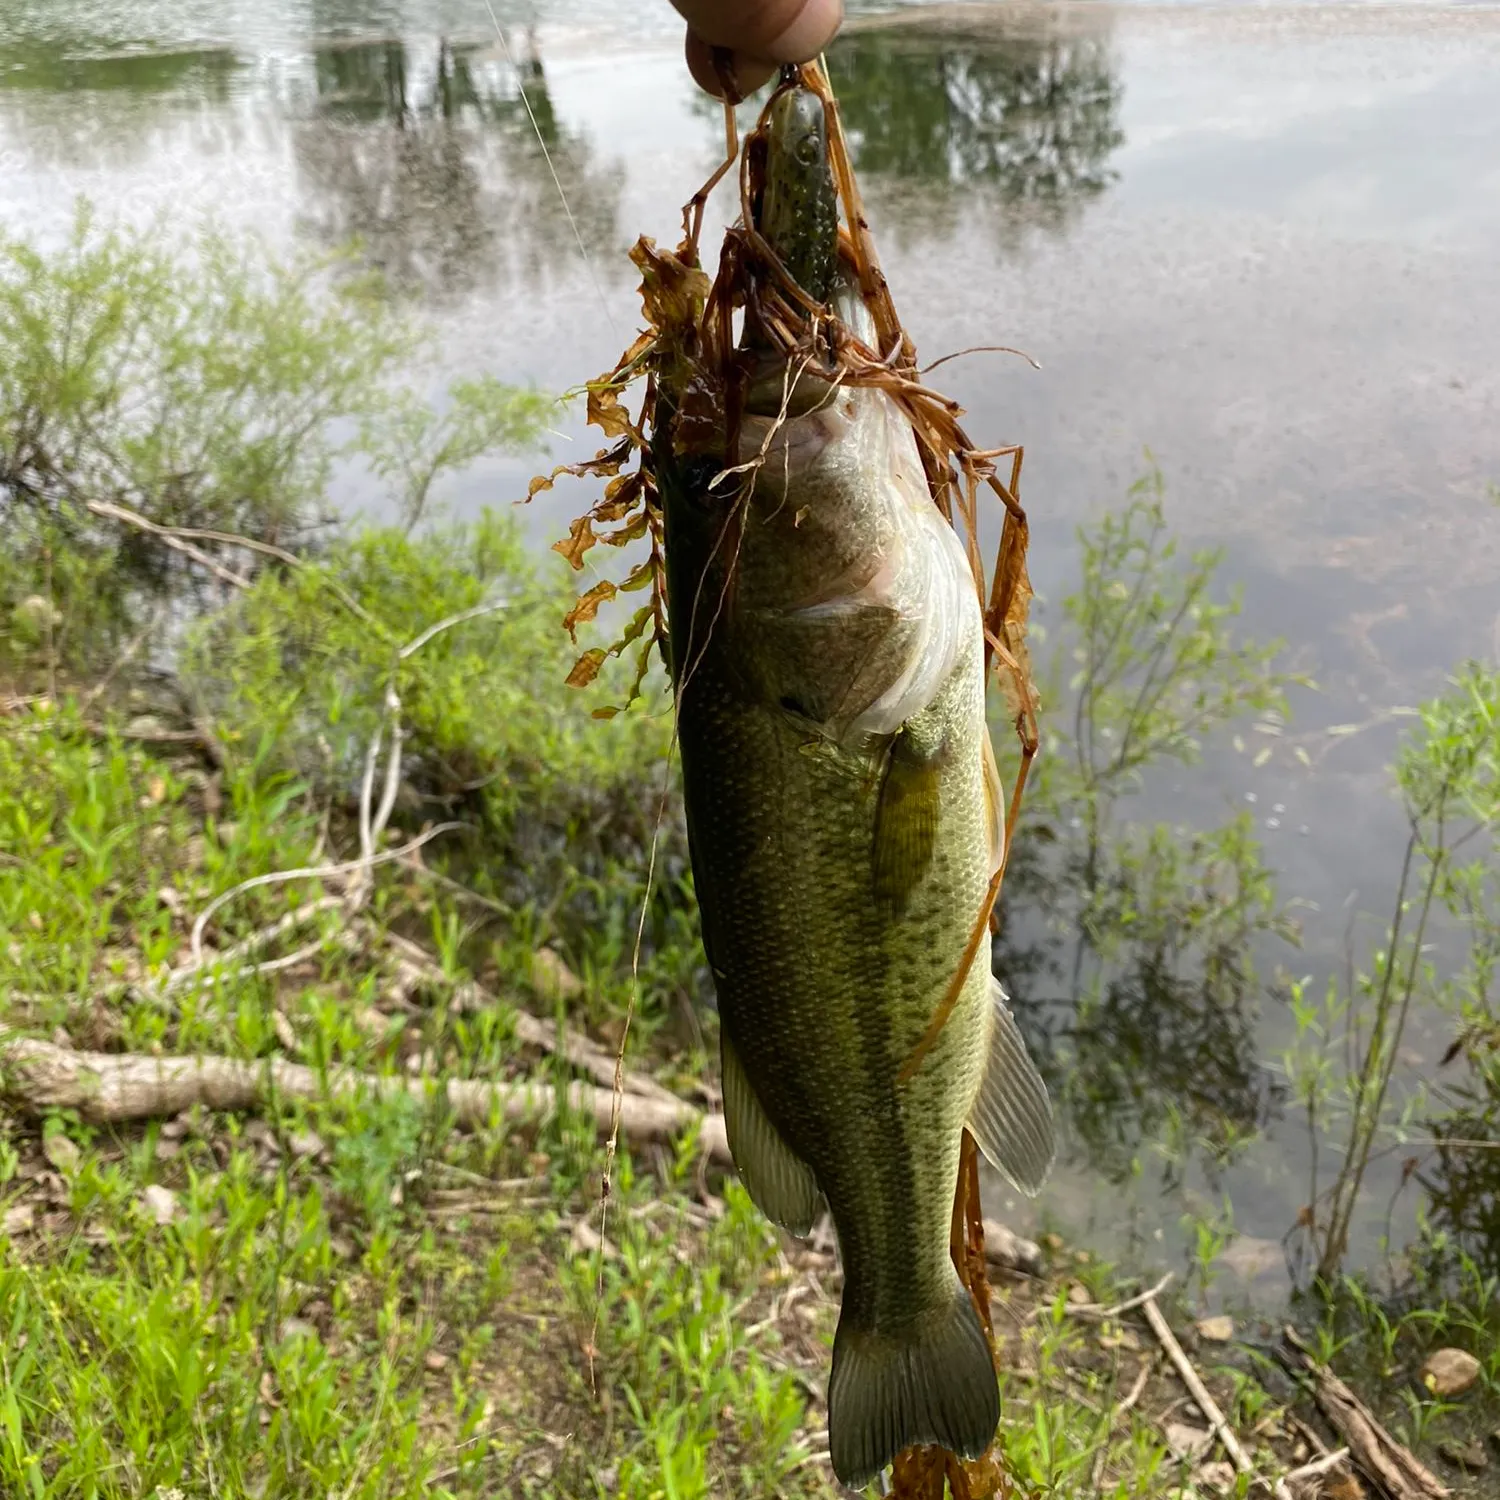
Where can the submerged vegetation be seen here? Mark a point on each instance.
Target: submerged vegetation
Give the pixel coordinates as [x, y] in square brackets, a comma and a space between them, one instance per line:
[354, 1291]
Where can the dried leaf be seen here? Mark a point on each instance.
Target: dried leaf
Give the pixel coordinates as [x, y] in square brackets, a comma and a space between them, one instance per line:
[672, 291]
[639, 577]
[621, 496]
[634, 528]
[581, 536]
[540, 482]
[606, 413]
[588, 606]
[605, 462]
[586, 668]
[642, 666]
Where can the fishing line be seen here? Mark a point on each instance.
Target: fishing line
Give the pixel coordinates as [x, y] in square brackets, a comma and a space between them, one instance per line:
[556, 180]
[618, 1100]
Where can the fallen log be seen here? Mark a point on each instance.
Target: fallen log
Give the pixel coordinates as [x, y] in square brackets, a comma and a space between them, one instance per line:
[109, 1088]
[585, 1054]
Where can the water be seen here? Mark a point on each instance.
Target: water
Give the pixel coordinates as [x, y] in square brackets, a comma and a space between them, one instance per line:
[1260, 242]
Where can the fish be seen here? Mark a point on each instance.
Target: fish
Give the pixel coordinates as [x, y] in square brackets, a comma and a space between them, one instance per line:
[845, 817]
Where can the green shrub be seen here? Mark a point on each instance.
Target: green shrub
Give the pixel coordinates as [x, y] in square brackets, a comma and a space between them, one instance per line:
[201, 384]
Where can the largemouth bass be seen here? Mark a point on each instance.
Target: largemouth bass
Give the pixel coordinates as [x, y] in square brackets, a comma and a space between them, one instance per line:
[845, 817]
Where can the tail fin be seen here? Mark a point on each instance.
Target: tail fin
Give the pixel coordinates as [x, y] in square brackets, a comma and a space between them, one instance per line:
[934, 1385]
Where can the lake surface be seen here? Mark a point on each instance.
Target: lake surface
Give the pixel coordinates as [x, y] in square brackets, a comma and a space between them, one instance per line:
[1261, 243]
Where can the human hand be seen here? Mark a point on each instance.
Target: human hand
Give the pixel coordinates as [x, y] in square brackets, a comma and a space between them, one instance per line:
[759, 34]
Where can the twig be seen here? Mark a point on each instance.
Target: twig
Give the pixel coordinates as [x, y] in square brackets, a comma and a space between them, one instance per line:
[168, 535]
[1120, 1409]
[459, 889]
[1128, 1401]
[1094, 1310]
[126, 656]
[298, 917]
[1199, 1392]
[372, 824]
[107, 1088]
[1314, 1441]
[310, 872]
[181, 538]
[1321, 1465]
[585, 1055]
[415, 645]
[980, 349]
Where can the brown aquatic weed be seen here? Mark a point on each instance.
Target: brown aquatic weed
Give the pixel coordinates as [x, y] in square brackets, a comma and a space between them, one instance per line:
[689, 373]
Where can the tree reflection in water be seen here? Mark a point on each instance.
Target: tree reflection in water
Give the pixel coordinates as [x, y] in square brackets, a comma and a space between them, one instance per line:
[1130, 948]
[1140, 991]
[81, 100]
[1019, 113]
[1462, 1178]
[430, 159]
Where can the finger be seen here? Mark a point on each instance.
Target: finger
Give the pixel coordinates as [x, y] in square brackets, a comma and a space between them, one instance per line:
[771, 30]
[747, 73]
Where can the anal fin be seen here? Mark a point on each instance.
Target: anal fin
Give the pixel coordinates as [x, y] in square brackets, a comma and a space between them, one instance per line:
[1012, 1117]
[779, 1182]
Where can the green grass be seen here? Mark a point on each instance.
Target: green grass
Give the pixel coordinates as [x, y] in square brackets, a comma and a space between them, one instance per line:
[351, 1297]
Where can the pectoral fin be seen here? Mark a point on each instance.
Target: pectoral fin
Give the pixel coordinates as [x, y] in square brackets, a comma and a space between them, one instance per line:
[906, 820]
[779, 1182]
[1012, 1117]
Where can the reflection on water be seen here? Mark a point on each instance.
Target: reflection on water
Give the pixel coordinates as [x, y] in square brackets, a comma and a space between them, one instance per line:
[438, 159]
[85, 65]
[1023, 114]
[1462, 1179]
[78, 99]
[1138, 988]
[431, 160]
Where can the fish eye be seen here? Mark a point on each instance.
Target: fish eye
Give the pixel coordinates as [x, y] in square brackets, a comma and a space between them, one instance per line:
[809, 150]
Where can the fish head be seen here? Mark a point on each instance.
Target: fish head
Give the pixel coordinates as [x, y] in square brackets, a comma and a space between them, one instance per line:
[814, 552]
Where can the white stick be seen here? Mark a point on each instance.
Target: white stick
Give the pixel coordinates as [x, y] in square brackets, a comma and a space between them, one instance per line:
[1196, 1389]
[1095, 1310]
[1283, 1488]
